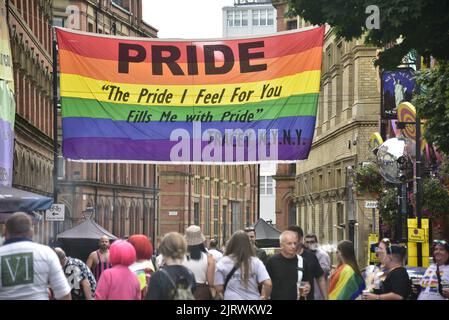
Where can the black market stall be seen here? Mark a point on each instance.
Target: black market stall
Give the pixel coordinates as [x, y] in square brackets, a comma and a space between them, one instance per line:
[82, 239]
[267, 236]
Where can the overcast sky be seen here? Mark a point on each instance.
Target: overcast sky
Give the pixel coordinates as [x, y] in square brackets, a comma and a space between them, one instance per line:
[186, 18]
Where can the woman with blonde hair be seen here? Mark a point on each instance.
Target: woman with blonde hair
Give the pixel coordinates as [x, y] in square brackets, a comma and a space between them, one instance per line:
[240, 272]
[166, 281]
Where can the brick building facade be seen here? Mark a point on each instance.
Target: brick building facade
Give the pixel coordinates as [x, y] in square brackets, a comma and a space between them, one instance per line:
[348, 113]
[31, 42]
[219, 198]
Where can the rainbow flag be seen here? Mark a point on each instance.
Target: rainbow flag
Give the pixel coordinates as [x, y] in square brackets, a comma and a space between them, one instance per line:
[189, 101]
[345, 284]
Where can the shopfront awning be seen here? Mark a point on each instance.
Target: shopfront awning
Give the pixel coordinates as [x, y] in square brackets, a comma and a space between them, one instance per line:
[13, 200]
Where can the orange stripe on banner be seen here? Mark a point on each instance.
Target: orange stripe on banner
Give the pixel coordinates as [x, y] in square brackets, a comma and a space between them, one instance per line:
[141, 73]
[87, 44]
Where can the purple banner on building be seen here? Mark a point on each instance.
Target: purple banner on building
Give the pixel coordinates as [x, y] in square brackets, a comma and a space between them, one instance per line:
[7, 112]
[397, 86]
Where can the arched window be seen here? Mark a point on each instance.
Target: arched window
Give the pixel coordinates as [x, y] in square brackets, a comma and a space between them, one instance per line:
[107, 216]
[132, 219]
[291, 213]
[123, 214]
[138, 221]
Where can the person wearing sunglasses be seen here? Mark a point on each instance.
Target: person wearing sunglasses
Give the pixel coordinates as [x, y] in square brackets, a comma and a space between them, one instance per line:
[397, 284]
[375, 274]
[435, 282]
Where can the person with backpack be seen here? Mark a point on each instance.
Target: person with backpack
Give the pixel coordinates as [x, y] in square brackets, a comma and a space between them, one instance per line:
[173, 281]
[239, 272]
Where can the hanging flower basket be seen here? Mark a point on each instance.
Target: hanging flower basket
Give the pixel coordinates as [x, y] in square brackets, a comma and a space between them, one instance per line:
[368, 180]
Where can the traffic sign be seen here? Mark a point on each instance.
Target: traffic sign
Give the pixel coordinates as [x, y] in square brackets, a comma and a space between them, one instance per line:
[371, 204]
[416, 235]
[55, 213]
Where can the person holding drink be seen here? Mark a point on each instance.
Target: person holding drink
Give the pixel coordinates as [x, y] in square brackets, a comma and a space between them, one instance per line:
[287, 270]
[397, 284]
[375, 274]
[435, 282]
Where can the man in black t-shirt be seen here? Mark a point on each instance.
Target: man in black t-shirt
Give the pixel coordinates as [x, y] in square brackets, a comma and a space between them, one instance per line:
[397, 284]
[283, 269]
[312, 263]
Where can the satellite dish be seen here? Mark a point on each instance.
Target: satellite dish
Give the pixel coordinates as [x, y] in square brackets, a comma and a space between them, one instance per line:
[395, 161]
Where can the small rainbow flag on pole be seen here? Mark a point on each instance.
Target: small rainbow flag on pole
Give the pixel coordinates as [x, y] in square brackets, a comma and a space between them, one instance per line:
[189, 101]
[345, 284]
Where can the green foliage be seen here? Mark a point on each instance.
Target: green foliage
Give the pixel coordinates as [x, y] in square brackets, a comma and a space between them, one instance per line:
[368, 179]
[388, 206]
[435, 198]
[433, 104]
[422, 24]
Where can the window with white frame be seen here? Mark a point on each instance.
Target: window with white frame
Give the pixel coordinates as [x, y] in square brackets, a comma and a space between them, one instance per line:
[263, 17]
[266, 185]
[238, 18]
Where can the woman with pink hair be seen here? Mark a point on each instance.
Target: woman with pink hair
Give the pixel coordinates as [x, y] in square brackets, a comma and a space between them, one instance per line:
[118, 282]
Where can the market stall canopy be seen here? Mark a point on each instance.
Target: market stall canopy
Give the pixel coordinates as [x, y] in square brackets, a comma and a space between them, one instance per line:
[88, 229]
[13, 200]
[266, 235]
[82, 239]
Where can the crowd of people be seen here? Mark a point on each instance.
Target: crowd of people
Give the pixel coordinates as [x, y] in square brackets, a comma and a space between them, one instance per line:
[185, 268]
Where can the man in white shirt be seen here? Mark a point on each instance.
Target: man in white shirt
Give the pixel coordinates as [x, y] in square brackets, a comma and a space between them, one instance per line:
[28, 268]
[217, 254]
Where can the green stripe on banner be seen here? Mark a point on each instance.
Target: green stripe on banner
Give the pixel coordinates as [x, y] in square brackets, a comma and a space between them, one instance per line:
[300, 105]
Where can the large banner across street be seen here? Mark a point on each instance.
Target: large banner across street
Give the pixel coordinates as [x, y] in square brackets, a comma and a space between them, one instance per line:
[7, 103]
[189, 101]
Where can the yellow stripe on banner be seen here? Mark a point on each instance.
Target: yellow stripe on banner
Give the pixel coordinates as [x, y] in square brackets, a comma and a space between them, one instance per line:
[343, 278]
[76, 86]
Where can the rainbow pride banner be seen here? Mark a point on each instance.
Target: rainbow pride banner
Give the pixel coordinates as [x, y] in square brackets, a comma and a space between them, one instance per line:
[189, 101]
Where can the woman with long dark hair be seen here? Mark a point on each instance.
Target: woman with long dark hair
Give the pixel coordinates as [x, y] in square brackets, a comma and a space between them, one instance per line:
[346, 281]
[239, 272]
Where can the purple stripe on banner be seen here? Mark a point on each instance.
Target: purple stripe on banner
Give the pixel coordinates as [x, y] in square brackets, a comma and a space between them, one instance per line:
[107, 128]
[6, 152]
[195, 150]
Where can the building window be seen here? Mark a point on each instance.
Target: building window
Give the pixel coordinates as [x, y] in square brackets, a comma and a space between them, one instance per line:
[263, 17]
[266, 185]
[237, 18]
[207, 223]
[207, 187]
[216, 188]
[292, 24]
[216, 223]
[196, 213]
[122, 3]
[340, 221]
[58, 22]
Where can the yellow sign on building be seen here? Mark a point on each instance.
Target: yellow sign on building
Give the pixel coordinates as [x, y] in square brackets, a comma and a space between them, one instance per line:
[373, 240]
